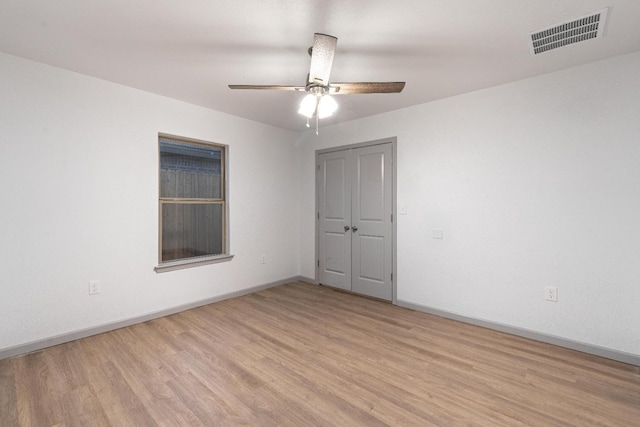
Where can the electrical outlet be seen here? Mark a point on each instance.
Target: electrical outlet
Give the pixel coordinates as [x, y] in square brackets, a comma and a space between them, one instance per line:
[551, 293]
[94, 287]
[263, 259]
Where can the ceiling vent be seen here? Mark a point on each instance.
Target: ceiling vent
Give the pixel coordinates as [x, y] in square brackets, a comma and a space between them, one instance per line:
[577, 30]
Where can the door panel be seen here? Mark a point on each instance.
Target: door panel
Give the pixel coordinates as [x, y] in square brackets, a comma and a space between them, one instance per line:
[371, 250]
[334, 214]
[335, 181]
[371, 186]
[336, 257]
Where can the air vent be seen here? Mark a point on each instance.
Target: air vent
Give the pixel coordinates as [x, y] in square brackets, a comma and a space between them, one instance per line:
[578, 30]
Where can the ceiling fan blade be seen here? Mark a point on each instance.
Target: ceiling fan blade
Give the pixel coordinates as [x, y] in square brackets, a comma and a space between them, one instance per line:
[266, 87]
[322, 51]
[366, 87]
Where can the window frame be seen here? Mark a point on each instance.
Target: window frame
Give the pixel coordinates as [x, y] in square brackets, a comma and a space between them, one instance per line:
[195, 261]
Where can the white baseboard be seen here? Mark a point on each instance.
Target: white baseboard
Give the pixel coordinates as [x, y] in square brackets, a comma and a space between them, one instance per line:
[83, 333]
[620, 356]
[94, 330]
[307, 280]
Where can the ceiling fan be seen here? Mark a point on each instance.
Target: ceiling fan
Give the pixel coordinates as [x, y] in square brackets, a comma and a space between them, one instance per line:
[318, 103]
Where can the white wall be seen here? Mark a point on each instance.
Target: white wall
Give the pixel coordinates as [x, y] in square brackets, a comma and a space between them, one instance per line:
[79, 189]
[534, 183]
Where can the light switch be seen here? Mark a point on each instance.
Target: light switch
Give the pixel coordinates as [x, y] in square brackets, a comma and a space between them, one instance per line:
[437, 233]
[403, 209]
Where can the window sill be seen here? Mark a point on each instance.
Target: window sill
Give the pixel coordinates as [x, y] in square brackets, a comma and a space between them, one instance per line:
[192, 262]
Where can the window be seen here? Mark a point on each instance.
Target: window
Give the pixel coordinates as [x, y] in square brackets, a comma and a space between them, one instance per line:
[192, 203]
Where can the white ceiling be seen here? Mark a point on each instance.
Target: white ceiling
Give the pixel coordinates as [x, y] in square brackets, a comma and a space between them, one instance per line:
[191, 50]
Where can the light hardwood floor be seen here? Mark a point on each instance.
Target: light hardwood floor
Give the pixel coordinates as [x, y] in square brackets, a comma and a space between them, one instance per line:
[307, 355]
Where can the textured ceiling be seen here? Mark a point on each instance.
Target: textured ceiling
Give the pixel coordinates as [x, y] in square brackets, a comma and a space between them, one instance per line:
[191, 50]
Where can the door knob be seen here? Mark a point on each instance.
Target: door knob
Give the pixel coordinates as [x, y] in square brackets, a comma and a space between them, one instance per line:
[346, 228]
[354, 228]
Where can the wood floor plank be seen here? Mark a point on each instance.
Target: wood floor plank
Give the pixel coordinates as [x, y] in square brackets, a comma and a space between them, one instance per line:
[81, 407]
[8, 398]
[309, 355]
[39, 383]
[205, 403]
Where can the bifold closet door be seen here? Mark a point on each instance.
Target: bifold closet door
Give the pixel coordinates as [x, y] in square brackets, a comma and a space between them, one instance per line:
[371, 240]
[355, 228]
[334, 173]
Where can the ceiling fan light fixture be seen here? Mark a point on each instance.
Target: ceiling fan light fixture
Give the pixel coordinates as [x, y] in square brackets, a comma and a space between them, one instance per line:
[326, 106]
[317, 104]
[308, 105]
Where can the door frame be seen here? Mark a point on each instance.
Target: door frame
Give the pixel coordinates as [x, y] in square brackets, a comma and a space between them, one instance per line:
[394, 211]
